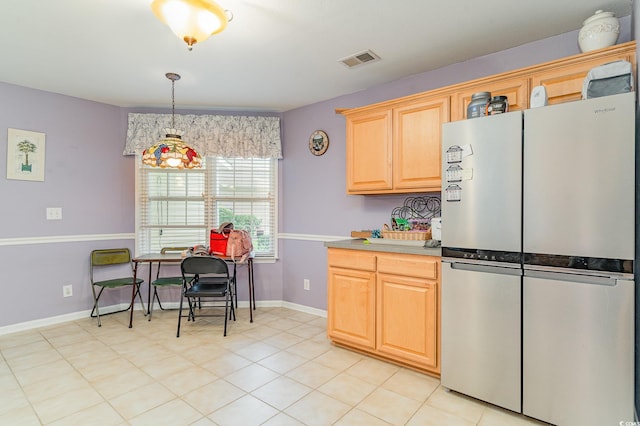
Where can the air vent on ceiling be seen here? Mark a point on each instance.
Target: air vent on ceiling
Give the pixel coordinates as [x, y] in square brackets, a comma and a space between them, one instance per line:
[360, 58]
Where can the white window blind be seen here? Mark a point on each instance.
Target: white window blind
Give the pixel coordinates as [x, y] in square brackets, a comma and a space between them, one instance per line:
[178, 208]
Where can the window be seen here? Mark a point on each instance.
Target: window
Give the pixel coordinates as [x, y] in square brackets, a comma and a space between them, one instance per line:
[178, 208]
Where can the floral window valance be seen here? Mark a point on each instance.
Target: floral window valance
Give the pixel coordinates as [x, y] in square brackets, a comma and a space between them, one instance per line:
[210, 135]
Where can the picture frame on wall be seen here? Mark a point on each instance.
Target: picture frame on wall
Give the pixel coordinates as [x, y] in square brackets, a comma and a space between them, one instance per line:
[25, 155]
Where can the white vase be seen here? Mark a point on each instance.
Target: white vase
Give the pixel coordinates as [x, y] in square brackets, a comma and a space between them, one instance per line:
[599, 31]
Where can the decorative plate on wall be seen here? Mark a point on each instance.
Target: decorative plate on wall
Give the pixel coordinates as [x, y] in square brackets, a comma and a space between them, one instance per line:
[318, 142]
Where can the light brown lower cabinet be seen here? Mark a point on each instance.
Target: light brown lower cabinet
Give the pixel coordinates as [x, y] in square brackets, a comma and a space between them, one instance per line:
[387, 305]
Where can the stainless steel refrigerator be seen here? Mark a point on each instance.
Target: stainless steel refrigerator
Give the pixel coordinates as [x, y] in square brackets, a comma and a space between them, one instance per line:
[538, 247]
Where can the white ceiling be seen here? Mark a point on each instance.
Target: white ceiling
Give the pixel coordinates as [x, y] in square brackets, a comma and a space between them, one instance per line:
[275, 55]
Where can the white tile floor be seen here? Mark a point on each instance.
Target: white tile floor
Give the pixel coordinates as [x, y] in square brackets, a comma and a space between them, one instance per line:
[280, 370]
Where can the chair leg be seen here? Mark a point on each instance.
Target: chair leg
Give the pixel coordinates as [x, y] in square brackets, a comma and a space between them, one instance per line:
[151, 304]
[226, 311]
[192, 305]
[232, 311]
[235, 289]
[180, 315]
[97, 298]
[95, 304]
[154, 297]
[134, 297]
[155, 293]
[140, 297]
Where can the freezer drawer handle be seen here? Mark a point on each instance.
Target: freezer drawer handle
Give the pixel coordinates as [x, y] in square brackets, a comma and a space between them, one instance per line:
[577, 278]
[486, 269]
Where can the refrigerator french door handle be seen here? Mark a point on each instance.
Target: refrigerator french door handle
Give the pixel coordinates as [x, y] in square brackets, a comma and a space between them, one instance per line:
[573, 277]
[489, 269]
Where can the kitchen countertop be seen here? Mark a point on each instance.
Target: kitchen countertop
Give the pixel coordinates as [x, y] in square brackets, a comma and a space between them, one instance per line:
[362, 244]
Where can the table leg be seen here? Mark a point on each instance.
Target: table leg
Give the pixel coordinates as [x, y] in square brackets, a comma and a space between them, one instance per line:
[133, 292]
[252, 291]
[149, 291]
[235, 284]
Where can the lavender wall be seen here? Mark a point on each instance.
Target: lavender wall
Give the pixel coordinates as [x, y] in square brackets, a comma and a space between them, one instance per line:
[87, 176]
[315, 201]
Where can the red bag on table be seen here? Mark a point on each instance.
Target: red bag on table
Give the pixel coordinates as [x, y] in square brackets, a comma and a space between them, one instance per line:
[219, 239]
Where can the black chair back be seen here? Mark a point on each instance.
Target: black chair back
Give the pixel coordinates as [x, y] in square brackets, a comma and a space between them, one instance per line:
[200, 265]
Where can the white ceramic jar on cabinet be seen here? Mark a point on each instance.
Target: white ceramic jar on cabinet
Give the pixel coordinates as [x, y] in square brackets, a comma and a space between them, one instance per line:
[599, 31]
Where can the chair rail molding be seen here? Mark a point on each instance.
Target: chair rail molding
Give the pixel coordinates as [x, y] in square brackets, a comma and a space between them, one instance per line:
[20, 241]
[310, 237]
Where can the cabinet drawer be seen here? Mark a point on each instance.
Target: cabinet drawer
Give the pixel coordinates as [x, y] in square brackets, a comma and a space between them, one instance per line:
[409, 265]
[352, 259]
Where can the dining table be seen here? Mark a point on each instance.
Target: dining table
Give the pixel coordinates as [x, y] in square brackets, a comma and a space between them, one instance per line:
[158, 258]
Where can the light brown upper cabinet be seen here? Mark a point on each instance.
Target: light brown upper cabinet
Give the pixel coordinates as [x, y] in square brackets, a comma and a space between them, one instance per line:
[369, 151]
[563, 79]
[395, 148]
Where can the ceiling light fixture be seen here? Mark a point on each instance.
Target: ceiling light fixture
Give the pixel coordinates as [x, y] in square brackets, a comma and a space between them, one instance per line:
[171, 152]
[191, 20]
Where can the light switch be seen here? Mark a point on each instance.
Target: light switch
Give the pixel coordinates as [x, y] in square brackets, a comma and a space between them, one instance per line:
[54, 213]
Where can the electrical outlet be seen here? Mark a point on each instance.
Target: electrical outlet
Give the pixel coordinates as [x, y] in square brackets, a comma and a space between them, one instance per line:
[307, 285]
[67, 290]
[54, 213]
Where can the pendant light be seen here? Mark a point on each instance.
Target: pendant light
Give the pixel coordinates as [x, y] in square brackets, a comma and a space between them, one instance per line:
[191, 20]
[172, 152]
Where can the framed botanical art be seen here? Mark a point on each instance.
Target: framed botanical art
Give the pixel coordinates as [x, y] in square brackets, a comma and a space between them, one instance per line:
[25, 155]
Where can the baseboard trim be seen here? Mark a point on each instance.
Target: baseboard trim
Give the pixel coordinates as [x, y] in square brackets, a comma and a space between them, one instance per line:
[45, 322]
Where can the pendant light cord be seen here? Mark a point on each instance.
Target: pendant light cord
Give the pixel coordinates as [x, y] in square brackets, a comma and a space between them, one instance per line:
[173, 77]
[173, 104]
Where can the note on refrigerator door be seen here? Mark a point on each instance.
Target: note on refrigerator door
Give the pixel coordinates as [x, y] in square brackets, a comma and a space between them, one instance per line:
[454, 173]
[453, 193]
[454, 154]
[466, 174]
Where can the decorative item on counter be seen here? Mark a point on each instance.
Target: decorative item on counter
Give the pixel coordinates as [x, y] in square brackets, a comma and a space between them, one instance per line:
[375, 233]
[420, 224]
[478, 105]
[498, 105]
[400, 224]
[599, 31]
[405, 235]
[418, 208]
[361, 234]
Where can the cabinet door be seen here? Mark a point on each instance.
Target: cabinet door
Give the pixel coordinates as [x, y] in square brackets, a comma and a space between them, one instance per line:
[407, 319]
[515, 89]
[351, 307]
[416, 144]
[564, 83]
[369, 151]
